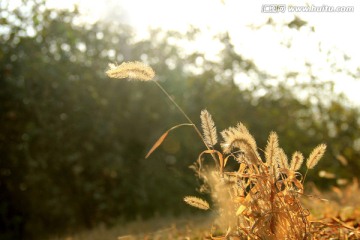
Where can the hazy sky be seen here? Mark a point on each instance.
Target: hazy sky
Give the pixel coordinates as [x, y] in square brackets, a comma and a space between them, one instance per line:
[336, 30]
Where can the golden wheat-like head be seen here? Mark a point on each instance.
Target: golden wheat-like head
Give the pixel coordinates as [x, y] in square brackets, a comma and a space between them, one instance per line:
[209, 129]
[240, 138]
[282, 159]
[233, 136]
[197, 202]
[132, 70]
[272, 149]
[315, 156]
[296, 161]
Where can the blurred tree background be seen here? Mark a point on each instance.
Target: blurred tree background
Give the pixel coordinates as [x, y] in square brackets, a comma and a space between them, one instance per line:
[72, 141]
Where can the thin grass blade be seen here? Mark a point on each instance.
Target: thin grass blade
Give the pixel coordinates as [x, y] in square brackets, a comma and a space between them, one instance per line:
[162, 138]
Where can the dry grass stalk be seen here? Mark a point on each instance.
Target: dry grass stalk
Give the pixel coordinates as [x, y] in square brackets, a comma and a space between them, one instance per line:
[140, 71]
[197, 202]
[209, 129]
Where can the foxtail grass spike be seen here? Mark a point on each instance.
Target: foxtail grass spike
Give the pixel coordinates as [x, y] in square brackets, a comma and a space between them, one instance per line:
[272, 148]
[209, 129]
[296, 161]
[132, 70]
[315, 156]
[197, 202]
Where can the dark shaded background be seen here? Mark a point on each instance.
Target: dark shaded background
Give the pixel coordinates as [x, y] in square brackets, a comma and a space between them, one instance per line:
[72, 141]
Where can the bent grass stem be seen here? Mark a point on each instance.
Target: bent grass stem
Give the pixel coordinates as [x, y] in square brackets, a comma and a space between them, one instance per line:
[187, 118]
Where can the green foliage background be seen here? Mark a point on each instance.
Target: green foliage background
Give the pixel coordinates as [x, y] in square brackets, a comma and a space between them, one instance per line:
[72, 141]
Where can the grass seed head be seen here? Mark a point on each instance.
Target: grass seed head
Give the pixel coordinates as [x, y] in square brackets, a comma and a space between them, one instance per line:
[197, 202]
[132, 70]
[272, 149]
[209, 129]
[282, 159]
[315, 156]
[296, 161]
[233, 137]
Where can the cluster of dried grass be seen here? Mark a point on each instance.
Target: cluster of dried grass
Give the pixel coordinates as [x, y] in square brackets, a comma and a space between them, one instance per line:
[261, 198]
